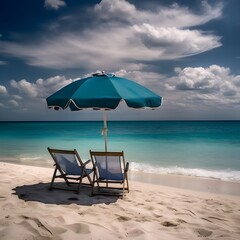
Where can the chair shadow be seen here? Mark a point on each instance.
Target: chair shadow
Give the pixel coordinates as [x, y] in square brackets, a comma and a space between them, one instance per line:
[40, 192]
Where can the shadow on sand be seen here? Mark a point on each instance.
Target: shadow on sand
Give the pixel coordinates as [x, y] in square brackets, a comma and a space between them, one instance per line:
[40, 192]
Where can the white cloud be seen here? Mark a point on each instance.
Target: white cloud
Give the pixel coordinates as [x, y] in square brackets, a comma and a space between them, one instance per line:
[25, 87]
[183, 17]
[13, 103]
[109, 9]
[151, 80]
[3, 90]
[3, 63]
[41, 88]
[26, 96]
[171, 16]
[17, 97]
[171, 43]
[212, 85]
[54, 4]
[129, 35]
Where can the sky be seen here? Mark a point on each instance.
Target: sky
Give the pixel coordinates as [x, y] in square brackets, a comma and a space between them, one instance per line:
[188, 52]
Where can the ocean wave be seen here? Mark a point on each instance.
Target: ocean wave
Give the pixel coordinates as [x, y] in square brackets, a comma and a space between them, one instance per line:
[31, 158]
[226, 175]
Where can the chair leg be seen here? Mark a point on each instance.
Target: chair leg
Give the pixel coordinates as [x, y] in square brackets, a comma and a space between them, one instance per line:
[92, 188]
[79, 185]
[93, 182]
[89, 179]
[80, 179]
[123, 190]
[53, 177]
[127, 183]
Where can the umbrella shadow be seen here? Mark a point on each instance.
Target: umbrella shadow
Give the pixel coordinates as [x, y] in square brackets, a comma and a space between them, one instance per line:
[40, 193]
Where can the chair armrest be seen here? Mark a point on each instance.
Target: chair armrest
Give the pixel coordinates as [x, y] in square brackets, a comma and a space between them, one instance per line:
[87, 162]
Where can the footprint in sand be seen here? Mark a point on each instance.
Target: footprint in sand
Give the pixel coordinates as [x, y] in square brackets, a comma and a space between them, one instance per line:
[157, 215]
[181, 220]
[123, 218]
[150, 208]
[135, 233]
[168, 224]
[79, 228]
[203, 232]
[34, 226]
[172, 209]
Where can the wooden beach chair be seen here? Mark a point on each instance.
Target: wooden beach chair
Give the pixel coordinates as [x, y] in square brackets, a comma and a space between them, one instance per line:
[110, 169]
[69, 166]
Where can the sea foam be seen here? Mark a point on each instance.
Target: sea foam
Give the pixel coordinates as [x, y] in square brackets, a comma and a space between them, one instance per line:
[226, 175]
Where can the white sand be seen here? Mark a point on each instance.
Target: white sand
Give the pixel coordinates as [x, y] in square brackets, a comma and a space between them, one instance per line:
[28, 210]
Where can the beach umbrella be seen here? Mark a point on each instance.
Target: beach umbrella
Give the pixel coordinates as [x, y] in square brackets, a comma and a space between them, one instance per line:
[103, 91]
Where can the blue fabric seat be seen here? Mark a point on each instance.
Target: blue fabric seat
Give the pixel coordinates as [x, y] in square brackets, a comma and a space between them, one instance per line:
[69, 166]
[110, 169]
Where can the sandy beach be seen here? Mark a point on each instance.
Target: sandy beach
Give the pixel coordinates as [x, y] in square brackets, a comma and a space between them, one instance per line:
[150, 211]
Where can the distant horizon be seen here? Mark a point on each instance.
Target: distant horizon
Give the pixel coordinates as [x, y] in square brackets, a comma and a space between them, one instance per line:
[203, 120]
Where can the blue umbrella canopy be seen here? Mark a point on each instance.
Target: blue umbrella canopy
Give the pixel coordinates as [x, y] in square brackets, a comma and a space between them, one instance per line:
[103, 91]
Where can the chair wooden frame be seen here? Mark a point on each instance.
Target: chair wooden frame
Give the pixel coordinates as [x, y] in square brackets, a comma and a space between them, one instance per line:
[73, 178]
[105, 185]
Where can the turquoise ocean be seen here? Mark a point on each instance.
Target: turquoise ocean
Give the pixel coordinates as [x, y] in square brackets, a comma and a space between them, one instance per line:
[196, 148]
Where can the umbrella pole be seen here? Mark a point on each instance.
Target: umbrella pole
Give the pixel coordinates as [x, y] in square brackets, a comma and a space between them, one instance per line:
[105, 137]
[105, 129]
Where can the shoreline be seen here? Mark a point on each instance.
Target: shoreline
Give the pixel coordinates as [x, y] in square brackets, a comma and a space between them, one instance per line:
[192, 183]
[225, 175]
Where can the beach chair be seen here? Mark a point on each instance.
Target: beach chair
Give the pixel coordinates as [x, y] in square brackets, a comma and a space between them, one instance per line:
[69, 166]
[110, 170]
